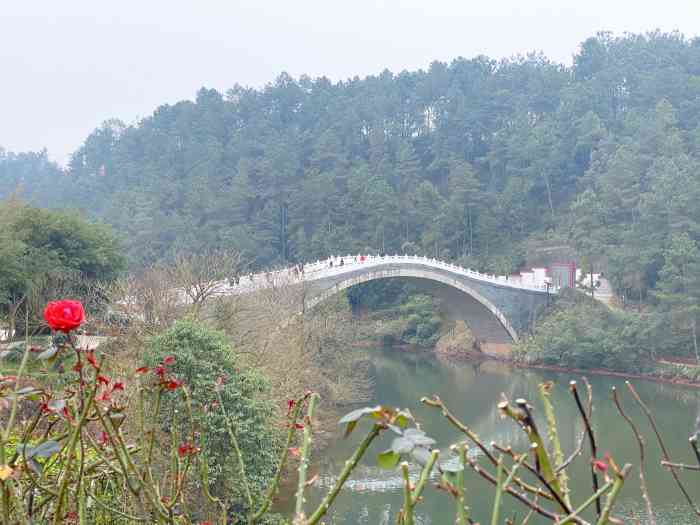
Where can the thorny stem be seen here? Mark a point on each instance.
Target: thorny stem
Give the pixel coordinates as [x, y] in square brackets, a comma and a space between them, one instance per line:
[151, 439]
[500, 487]
[545, 390]
[237, 450]
[350, 464]
[681, 466]
[114, 511]
[424, 477]
[70, 448]
[602, 490]
[204, 474]
[462, 512]
[509, 452]
[499, 491]
[544, 471]
[407, 511]
[5, 484]
[591, 440]
[664, 451]
[640, 442]
[304, 460]
[436, 402]
[617, 485]
[582, 437]
[517, 495]
[81, 383]
[694, 445]
[272, 490]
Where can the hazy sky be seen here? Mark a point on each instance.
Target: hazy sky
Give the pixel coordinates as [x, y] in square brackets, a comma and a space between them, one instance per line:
[67, 65]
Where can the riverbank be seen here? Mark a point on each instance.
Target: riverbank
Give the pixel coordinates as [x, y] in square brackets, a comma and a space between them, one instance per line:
[657, 377]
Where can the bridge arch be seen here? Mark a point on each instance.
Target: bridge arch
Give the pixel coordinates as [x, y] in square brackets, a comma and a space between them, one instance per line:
[426, 272]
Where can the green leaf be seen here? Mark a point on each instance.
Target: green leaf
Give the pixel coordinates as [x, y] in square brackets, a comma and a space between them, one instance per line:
[46, 449]
[381, 412]
[351, 418]
[388, 459]
[418, 437]
[56, 405]
[357, 414]
[421, 455]
[24, 450]
[395, 429]
[452, 466]
[403, 418]
[26, 392]
[348, 430]
[48, 353]
[34, 466]
[402, 445]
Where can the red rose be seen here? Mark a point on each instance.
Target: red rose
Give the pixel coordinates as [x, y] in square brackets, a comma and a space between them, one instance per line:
[64, 315]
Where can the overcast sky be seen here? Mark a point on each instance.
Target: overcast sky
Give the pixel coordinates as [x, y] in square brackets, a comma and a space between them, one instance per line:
[67, 65]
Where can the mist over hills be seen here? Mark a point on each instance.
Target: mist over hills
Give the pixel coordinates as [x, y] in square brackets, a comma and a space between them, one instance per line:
[473, 160]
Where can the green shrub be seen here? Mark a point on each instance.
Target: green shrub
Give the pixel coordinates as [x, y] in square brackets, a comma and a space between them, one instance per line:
[580, 332]
[201, 356]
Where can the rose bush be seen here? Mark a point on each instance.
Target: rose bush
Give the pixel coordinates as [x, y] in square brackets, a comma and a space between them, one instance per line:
[64, 315]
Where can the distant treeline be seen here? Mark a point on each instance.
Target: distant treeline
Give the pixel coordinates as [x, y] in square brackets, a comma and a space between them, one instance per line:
[469, 160]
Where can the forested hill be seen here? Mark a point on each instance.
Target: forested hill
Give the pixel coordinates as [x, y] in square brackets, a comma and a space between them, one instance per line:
[469, 160]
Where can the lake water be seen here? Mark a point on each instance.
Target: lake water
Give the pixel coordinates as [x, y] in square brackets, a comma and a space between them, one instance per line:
[471, 391]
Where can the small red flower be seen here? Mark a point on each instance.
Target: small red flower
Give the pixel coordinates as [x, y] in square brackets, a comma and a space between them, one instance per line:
[169, 360]
[66, 414]
[90, 356]
[64, 315]
[106, 395]
[159, 371]
[142, 370]
[186, 449]
[290, 406]
[103, 380]
[294, 451]
[102, 438]
[600, 466]
[118, 385]
[78, 366]
[299, 426]
[172, 384]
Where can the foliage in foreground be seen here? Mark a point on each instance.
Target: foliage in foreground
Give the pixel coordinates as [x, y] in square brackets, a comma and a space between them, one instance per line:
[78, 457]
[200, 356]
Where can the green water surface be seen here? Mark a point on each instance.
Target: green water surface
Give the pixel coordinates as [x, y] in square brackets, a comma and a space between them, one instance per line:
[374, 496]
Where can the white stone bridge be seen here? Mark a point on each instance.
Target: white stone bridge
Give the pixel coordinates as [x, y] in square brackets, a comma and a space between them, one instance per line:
[496, 308]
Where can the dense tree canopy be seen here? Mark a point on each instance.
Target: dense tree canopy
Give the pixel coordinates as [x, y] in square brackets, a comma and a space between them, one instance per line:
[471, 160]
[41, 249]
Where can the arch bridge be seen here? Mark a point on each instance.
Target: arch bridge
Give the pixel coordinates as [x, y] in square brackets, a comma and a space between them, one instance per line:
[496, 308]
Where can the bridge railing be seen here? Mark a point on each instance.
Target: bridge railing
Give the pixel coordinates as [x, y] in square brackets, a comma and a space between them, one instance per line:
[335, 265]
